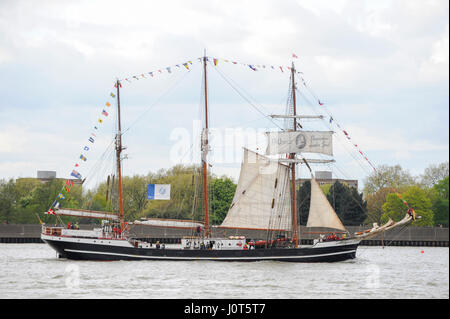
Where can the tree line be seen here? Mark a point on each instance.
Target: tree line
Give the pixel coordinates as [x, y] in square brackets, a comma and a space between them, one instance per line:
[23, 200]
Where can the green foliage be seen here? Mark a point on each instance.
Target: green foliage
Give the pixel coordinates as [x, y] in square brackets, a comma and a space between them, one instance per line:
[388, 177]
[417, 198]
[348, 204]
[440, 202]
[375, 205]
[222, 195]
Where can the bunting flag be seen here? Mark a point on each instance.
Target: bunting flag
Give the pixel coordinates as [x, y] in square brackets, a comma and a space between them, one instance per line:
[60, 195]
[86, 148]
[104, 113]
[75, 174]
[108, 104]
[214, 60]
[67, 189]
[51, 212]
[91, 140]
[55, 204]
[320, 103]
[113, 95]
[83, 158]
[69, 183]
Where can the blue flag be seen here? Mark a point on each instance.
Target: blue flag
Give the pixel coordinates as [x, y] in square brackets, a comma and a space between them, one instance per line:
[158, 191]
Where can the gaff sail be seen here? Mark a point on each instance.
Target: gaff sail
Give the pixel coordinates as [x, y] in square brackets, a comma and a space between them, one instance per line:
[262, 199]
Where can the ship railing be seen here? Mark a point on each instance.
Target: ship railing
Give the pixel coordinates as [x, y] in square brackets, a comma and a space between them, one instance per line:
[52, 230]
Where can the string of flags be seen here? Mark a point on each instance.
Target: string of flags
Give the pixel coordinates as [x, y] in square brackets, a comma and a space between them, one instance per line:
[69, 183]
[169, 69]
[215, 61]
[332, 120]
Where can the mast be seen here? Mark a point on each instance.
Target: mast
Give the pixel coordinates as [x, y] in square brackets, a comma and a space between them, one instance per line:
[205, 153]
[119, 149]
[292, 156]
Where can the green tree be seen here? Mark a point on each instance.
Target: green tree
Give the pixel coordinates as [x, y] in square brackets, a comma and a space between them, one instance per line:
[375, 204]
[222, 195]
[348, 204]
[8, 199]
[417, 198]
[434, 174]
[388, 177]
[440, 202]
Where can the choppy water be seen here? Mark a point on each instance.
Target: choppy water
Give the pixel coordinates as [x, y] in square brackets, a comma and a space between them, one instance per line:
[33, 271]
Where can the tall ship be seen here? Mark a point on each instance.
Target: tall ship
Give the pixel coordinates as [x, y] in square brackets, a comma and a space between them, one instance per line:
[265, 199]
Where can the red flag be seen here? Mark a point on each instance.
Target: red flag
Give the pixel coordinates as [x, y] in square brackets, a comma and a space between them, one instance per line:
[69, 183]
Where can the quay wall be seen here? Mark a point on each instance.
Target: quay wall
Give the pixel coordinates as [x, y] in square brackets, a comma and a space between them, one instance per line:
[406, 236]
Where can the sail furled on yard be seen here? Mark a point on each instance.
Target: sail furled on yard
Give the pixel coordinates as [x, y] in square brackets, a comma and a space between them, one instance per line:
[300, 142]
[321, 213]
[262, 197]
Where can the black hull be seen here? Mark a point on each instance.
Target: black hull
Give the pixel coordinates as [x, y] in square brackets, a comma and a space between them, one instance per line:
[87, 251]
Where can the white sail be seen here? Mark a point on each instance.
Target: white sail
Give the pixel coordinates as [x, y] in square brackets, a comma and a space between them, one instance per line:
[300, 142]
[321, 214]
[262, 197]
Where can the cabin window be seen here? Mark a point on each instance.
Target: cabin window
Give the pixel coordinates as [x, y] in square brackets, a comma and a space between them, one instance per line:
[273, 202]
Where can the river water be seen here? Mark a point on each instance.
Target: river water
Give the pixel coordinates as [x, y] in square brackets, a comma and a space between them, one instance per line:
[33, 271]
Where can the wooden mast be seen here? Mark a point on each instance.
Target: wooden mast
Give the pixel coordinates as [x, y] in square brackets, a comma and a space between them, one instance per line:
[292, 156]
[119, 149]
[205, 153]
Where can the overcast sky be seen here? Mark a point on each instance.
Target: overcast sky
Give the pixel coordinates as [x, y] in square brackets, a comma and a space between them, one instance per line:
[379, 67]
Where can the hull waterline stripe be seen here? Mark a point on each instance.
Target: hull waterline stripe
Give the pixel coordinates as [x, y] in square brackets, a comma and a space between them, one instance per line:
[207, 258]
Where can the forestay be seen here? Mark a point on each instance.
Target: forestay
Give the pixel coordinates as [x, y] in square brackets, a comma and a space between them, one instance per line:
[262, 199]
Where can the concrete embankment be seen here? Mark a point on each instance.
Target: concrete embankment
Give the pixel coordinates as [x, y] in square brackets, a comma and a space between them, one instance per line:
[407, 236]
